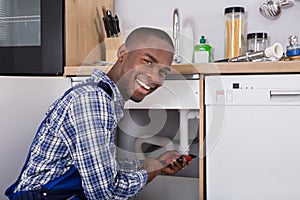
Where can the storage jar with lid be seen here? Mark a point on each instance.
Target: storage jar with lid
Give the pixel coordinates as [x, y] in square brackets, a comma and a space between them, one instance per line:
[234, 31]
[257, 41]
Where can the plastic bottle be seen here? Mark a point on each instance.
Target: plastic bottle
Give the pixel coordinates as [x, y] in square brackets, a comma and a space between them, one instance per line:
[202, 52]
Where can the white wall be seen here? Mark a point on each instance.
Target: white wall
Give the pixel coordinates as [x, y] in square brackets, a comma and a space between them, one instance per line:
[207, 18]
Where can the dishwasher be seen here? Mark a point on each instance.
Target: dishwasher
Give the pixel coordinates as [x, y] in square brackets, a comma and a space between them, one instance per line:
[252, 137]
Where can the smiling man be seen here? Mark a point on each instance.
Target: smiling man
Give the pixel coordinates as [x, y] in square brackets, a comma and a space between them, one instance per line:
[143, 63]
[73, 153]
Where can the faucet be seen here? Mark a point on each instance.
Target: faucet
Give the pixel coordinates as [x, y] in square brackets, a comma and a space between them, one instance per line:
[176, 35]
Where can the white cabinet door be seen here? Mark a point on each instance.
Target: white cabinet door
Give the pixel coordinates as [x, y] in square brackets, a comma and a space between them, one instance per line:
[23, 103]
[173, 94]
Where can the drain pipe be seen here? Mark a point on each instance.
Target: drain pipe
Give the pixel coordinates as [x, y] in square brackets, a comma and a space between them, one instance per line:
[185, 116]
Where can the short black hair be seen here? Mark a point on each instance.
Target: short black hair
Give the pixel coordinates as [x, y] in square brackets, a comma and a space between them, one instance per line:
[142, 33]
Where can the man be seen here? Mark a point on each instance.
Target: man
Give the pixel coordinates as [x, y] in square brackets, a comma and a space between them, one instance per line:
[73, 153]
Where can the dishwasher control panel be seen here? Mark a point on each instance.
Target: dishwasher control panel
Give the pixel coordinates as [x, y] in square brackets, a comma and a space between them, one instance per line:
[252, 90]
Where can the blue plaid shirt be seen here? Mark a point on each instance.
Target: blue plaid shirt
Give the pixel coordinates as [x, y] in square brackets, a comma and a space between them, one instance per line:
[80, 131]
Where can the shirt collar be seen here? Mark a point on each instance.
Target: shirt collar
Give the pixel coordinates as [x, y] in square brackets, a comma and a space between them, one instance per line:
[98, 76]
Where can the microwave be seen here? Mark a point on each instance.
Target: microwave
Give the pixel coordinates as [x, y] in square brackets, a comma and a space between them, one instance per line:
[31, 37]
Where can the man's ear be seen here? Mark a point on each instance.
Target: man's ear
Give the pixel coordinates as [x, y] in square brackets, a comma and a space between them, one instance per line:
[121, 51]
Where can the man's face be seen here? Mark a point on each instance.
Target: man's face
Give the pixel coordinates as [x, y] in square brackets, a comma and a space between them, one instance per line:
[143, 71]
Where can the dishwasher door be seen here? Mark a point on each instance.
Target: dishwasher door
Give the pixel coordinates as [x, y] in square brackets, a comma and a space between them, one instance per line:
[252, 137]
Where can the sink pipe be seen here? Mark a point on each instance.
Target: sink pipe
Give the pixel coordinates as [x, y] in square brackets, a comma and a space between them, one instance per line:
[167, 143]
[176, 35]
[185, 116]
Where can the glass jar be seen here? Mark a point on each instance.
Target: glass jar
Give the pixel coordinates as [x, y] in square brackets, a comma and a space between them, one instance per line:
[234, 31]
[257, 42]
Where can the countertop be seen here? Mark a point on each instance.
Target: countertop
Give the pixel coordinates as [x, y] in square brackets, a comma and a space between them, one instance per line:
[209, 68]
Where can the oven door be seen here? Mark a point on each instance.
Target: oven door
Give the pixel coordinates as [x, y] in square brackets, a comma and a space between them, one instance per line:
[31, 37]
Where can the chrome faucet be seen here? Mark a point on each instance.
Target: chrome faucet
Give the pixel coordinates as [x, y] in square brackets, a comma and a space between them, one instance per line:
[176, 35]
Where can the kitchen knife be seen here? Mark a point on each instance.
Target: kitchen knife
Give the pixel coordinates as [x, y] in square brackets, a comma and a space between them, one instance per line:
[111, 24]
[117, 24]
[104, 18]
[106, 26]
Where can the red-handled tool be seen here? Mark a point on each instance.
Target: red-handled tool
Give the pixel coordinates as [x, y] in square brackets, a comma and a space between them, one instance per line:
[187, 157]
[180, 159]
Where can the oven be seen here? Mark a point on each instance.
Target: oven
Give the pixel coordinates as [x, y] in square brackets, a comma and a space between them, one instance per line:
[31, 37]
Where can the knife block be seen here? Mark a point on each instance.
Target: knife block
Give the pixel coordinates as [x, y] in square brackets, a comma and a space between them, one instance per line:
[111, 47]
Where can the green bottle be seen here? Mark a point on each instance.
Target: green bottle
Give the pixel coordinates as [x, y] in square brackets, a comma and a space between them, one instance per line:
[202, 52]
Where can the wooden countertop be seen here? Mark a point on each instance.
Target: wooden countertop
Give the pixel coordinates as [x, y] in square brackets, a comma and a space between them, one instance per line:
[210, 68]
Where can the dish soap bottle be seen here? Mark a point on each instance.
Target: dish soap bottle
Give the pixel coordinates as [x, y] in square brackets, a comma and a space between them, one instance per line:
[202, 52]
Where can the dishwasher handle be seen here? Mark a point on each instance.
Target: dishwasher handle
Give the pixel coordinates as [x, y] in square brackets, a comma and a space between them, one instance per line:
[284, 93]
[285, 96]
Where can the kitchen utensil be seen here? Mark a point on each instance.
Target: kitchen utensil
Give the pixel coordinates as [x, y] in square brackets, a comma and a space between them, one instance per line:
[286, 3]
[273, 52]
[111, 24]
[117, 24]
[272, 10]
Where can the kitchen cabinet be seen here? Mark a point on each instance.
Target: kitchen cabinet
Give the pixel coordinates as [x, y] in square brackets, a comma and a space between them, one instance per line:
[280, 67]
[82, 33]
[23, 104]
[164, 120]
[203, 69]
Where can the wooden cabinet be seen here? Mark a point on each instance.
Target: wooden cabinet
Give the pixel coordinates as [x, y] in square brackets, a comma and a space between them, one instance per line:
[82, 31]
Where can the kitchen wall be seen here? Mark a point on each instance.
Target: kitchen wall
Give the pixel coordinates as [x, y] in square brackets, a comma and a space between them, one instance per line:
[207, 18]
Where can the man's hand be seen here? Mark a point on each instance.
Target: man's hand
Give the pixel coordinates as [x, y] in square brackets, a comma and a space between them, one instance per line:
[152, 166]
[171, 162]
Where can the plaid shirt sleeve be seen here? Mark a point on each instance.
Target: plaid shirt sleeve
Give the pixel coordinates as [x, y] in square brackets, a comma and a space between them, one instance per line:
[126, 165]
[93, 150]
